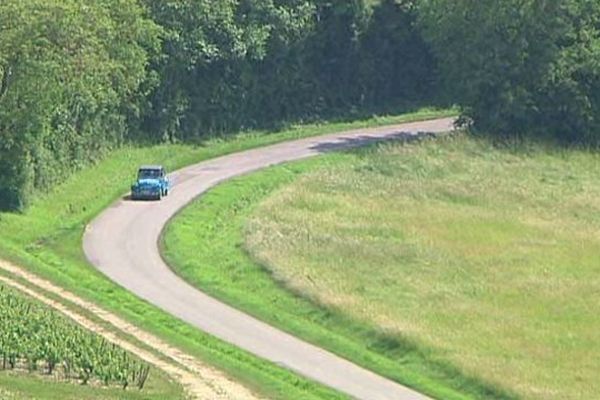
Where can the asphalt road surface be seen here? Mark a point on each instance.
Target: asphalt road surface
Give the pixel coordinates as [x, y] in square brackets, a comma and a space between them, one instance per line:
[122, 242]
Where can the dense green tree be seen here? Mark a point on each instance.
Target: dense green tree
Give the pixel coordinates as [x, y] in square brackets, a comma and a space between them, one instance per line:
[521, 66]
[396, 63]
[212, 50]
[71, 71]
[80, 77]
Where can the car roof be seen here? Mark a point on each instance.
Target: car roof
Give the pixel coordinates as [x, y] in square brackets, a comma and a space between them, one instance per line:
[151, 167]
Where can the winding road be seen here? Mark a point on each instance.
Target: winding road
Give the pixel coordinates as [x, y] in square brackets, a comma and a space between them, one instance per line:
[122, 242]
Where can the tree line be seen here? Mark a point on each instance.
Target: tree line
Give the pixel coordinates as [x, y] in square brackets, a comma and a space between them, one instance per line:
[80, 78]
[520, 67]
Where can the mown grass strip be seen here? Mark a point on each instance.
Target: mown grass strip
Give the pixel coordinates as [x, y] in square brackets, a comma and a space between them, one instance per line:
[18, 386]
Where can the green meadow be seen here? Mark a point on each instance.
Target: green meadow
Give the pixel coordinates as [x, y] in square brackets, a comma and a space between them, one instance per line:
[461, 267]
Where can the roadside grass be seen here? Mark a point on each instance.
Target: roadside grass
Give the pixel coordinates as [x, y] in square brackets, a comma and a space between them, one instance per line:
[47, 240]
[19, 386]
[24, 386]
[461, 268]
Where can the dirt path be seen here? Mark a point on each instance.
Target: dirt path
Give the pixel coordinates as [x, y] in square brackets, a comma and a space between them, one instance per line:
[114, 241]
[199, 380]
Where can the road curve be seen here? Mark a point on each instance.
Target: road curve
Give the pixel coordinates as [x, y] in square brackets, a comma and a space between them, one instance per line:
[122, 242]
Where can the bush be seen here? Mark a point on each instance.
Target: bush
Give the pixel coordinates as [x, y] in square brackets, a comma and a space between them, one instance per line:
[521, 67]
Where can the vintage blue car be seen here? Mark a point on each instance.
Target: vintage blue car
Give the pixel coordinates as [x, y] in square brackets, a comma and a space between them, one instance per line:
[152, 183]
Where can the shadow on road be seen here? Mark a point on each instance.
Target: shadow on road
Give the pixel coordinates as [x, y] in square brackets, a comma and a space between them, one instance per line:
[343, 143]
[128, 198]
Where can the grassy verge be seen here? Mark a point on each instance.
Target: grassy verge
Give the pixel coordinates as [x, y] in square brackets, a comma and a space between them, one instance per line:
[474, 263]
[16, 386]
[47, 240]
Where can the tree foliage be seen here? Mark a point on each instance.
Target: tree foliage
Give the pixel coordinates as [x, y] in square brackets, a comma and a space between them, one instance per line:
[70, 71]
[78, 78]
[256, 63]
[521, 66]
[211, 56]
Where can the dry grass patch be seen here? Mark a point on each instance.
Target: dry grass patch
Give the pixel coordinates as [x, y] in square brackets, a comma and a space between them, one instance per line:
[487, 255]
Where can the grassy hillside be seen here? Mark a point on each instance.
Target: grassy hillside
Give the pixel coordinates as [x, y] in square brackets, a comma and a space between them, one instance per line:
[47, 240]
[487, 256]
[458, 267]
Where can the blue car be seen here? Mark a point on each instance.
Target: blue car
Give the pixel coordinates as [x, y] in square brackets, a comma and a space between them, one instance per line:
[152, 183]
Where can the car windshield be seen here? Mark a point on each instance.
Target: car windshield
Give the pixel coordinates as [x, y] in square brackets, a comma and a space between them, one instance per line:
[148, 174]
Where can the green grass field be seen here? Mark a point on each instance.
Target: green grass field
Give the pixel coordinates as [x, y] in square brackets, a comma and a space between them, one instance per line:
[17, 386]
[47, 240]
[458, 267]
